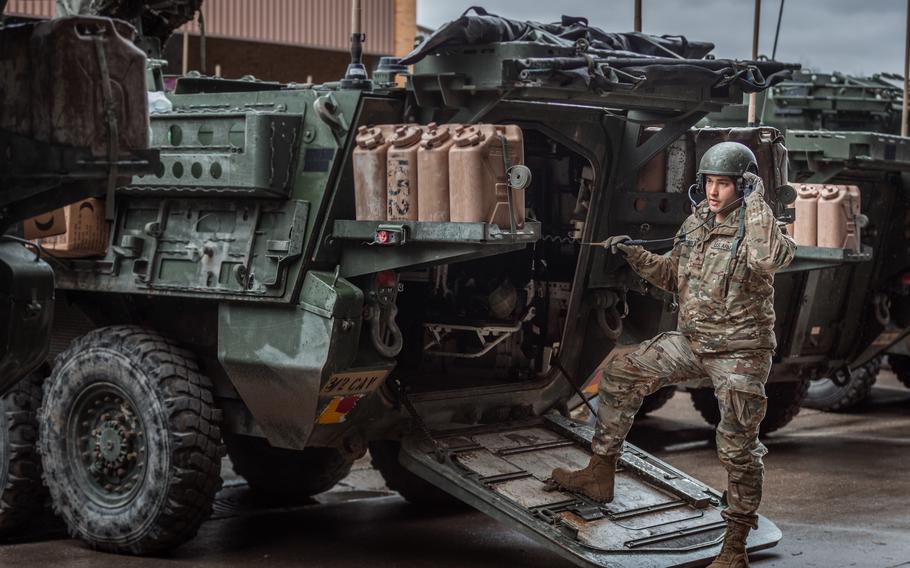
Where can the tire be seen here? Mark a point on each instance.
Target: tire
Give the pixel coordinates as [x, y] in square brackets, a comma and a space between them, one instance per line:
[130, 441]
[415, 490]
[825, 394]
[900, 364]
[22, 494]
[784, 403]
[288, 475]
[655, 400]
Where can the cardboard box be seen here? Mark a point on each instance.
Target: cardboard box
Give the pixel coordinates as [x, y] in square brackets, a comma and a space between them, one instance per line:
[86, 231]
[47, 225]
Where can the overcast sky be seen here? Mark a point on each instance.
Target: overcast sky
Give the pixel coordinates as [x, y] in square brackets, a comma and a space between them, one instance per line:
[851, 36]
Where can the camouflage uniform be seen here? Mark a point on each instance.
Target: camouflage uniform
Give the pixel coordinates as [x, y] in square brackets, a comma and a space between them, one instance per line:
[723, 276]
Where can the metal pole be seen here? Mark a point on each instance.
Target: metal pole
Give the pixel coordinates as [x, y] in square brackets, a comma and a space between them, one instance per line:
[755, 27]
[906, 73]
[766, 93]
[638, 15]
[356, 76]
[186, 52]
[356, 12]
[201, 20]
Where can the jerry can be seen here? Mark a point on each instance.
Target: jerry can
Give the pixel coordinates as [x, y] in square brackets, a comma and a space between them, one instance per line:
[838, 208]
[60, 97]
[433, 172]
[402, 173]
[478, 190]
[370, 161]
[805, 229]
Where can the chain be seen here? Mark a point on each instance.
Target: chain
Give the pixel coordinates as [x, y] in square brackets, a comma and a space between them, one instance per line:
[559, 239]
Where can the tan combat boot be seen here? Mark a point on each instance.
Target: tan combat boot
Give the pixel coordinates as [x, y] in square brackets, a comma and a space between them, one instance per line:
[733, 554]
[594, 481]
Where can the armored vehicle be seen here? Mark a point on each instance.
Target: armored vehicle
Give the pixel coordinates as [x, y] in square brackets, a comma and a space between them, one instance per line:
[842, 135]
[318, 270]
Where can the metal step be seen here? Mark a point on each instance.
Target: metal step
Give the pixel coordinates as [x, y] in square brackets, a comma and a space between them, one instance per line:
[660, 517]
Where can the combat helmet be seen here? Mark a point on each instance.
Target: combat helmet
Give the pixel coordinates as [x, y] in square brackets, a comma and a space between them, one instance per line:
[727, 159]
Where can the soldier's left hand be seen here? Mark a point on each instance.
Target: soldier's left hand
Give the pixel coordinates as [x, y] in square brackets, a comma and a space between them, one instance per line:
[752, 183]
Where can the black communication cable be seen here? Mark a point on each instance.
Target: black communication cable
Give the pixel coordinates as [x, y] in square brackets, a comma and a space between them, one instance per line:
[674, 237]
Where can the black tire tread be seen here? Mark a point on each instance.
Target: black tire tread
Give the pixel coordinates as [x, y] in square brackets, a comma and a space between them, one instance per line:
[23, 497]
[415, 490]
[655, 401]
[194, 425]
[286, 474]
[784, 403]
[900, 364]
[851, 394]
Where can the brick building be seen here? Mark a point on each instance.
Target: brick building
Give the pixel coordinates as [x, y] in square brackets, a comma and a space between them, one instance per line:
[281, 40]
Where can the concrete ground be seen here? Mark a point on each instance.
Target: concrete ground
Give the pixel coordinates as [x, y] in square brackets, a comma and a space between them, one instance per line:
[837, 485]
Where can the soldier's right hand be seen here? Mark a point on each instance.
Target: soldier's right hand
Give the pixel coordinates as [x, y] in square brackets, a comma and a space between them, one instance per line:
[616, 243]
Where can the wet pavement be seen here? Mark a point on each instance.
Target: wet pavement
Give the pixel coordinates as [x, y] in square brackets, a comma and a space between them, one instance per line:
[836, 484]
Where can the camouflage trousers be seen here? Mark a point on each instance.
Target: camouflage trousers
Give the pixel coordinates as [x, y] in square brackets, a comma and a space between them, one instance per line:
[739, 383]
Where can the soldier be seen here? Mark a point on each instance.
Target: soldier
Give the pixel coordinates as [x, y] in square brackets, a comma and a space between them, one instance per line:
[722, 269]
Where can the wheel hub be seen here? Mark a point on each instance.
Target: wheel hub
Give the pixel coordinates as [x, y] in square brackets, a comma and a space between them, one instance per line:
[108, 436]
[111, 443]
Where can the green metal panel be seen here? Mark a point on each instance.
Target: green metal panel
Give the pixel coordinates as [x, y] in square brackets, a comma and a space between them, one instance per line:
[278, 356]
[424, 243]
[210, 248]
[815, 258]
[862, 150]
[247, 153]
[175, 236]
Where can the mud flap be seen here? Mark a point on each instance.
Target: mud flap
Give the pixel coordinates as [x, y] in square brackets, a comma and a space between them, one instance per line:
[660, 517]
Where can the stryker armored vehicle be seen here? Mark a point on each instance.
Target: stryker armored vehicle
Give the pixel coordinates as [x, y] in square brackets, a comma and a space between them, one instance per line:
[280, 288]
[67, 132]
[842, 132]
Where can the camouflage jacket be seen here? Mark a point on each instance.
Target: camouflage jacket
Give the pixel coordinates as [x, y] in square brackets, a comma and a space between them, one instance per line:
[726, 303]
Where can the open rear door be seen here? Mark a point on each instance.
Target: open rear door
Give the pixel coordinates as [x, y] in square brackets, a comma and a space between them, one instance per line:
[660, 517]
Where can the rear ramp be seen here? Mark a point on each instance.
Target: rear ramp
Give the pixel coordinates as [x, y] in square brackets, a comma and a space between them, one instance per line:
[660, 517]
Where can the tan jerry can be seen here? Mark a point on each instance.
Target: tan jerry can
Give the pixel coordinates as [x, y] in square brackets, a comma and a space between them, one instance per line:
[370, 163]
[433, 172]
[477, 177]
[805, 229]
[838, 208]
[85, 231]
[402, 188]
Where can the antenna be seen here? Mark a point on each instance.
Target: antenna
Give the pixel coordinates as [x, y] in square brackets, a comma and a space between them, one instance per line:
[906, 72]
[764, 99]
[755, 26]
[356, 76]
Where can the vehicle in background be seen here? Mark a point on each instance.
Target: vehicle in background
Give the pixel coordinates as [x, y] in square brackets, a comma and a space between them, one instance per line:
[847, 160]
